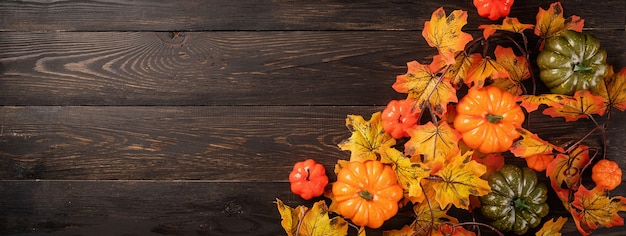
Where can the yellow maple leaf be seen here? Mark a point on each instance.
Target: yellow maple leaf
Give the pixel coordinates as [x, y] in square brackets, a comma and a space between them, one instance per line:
[310, 222]
[458, 71]
[458, 179]
[291, 217]
[428, 220]
[614, 89]
[432, 217]
[551, 22]
[593, 208]
[482, 69]
[434, 143]
[517, 68]
[511, 24]
[362, 231]
[444, 33]
[552, 227]
[423, 86]
[367, 139]
[409, 174]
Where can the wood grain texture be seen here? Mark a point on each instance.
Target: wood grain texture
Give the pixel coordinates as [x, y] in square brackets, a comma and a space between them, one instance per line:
[256, 143]
[216, 68]
[140, 208]
[196, 15]
[185, 117]
[160, 208]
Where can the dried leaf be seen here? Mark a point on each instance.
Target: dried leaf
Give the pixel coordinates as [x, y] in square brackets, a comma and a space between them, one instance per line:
[537, 152]
[551, 22]
[582, 105]
[435, 143]
[593, 208]
[458, 179]
[311, 222]
[510, 24]
[517, 68]
[427, 221]
[368, 138]
[483, 69]
[444, 33]
[361, 231]
[290, 217]
[565, 171]
[458, 71]
[493, 161]
[552, 227]
[423, 86]
[409, 174]
[532, 102]
[615, 92]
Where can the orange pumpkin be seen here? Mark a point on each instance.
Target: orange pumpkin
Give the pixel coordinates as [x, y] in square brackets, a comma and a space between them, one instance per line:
[606, 174]
[367, 193]
[487, 118]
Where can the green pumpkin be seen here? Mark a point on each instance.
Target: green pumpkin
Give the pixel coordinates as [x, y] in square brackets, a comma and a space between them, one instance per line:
[572, 61]
[517, 201]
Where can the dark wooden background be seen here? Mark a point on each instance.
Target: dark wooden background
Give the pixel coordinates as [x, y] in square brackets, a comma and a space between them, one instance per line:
[185, 117]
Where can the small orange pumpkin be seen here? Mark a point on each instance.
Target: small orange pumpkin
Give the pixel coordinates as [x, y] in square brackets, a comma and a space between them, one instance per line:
[606, 174]
[367, 193]
[487, 119]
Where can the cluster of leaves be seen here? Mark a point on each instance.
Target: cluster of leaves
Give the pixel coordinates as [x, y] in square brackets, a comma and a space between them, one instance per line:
[438, 171]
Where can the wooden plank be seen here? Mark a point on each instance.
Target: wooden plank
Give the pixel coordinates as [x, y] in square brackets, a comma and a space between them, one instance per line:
[216, 68]
[256, 143]
[140, 208]
[162, 207]
[195, 15]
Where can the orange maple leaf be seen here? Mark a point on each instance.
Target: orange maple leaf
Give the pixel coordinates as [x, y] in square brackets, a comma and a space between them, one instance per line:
[614, 89]
[517, 68]
[510, 24]
[551, 22]
[552, 227]
[493, 161]
[482, 69]
[565, 171]
[537, 152]
[532, 102]
[444, 33]
[458, 71]
[458, 179]
[593, 208]
[428, 221]
[434, 143]
[582, 105]
[425, 87]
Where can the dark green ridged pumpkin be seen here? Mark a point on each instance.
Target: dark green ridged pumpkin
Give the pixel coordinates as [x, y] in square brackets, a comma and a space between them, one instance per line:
[572, 61]
[517, 202]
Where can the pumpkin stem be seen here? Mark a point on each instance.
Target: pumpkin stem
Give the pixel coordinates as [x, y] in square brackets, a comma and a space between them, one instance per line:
[494, 118]
[580, 67]
[366, 195]
[308, 174]
[519, 203]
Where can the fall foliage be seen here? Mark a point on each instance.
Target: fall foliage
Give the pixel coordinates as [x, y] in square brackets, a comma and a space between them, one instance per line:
[439, 167]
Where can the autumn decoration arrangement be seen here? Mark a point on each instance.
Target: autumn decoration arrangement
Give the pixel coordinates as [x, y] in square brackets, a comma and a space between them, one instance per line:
[441, 150]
